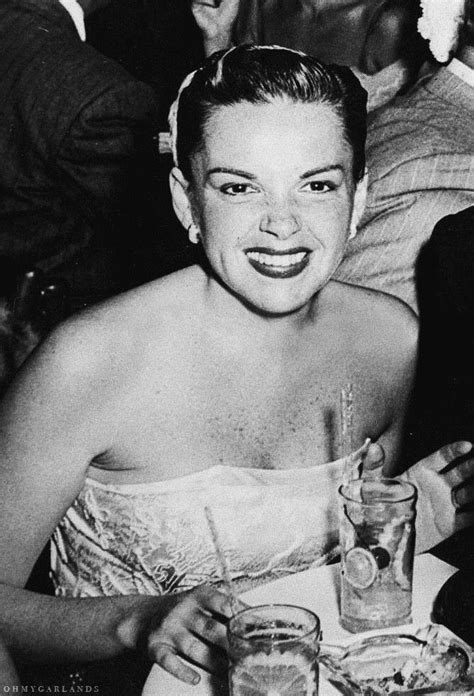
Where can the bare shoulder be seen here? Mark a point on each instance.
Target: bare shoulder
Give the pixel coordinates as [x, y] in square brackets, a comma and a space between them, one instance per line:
[377, 319]
[379, 338]
[103, 345]
[75, 394]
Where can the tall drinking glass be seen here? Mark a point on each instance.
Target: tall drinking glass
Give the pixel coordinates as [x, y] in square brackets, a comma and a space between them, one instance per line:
[377, 537]
[273, 651]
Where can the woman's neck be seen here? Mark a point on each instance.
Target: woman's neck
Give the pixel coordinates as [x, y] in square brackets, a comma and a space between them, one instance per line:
[235, 315]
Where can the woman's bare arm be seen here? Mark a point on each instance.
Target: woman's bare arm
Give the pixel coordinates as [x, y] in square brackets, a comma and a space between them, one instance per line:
[58, 415]
[398, 354]
[8, 675]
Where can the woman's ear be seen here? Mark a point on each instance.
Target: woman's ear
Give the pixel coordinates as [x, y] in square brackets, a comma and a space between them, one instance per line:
[179, 188]
[360, 197]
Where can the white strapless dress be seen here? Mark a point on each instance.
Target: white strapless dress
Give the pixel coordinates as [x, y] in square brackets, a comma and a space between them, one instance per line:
[153, 538]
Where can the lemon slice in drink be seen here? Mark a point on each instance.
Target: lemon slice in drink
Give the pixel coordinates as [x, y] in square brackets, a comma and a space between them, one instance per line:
[274, 675]
[360, 568]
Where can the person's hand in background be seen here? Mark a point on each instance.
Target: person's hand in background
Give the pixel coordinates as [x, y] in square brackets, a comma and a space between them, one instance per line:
[215, 19]
[445, 484]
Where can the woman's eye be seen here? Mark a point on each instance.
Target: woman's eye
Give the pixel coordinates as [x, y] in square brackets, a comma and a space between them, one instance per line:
[237, 189]
[318, 186]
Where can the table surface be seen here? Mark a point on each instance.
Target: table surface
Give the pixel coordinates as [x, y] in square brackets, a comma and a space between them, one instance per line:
[318, 590]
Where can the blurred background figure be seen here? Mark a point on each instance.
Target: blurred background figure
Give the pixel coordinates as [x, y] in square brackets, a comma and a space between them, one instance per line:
[76, 138]
[79, 219]
[446, 302]
[161, 42]
[421, 168]
[368, 35]
[444, 405]
[19, 330]
[339, 31]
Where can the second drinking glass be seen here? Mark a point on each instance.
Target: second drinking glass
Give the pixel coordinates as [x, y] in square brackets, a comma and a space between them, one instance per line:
[377, 537]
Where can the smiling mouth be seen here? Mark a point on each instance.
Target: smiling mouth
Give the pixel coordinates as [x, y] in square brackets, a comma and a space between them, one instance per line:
[278, 264]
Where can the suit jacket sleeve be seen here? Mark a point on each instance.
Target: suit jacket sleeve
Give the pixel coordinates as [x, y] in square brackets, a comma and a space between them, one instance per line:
[419, 157]
[446, 369]
[104, 158]
[403, 208]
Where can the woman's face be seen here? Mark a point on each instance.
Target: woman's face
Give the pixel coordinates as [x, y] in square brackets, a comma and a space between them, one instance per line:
[272, 195]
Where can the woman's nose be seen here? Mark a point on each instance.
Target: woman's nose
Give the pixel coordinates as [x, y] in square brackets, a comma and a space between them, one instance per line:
[280, 221]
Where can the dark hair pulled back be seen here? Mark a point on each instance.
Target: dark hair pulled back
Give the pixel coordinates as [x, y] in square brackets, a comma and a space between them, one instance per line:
[259, 74]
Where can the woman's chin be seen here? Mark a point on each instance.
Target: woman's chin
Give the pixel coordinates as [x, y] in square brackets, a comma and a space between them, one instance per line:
[276, 297]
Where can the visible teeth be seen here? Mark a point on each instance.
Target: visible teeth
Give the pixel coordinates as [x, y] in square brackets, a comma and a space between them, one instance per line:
[277, 260]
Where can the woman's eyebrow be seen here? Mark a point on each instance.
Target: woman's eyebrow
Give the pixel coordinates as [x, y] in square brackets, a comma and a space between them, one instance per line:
[248, 175]
[229, 170]
[322, 170]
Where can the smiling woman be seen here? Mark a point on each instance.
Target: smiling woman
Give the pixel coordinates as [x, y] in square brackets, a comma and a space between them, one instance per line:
[268, 206]
[276, 182]
[216, 387]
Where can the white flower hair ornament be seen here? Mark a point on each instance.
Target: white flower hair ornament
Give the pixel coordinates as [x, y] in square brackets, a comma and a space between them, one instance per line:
[440, 24]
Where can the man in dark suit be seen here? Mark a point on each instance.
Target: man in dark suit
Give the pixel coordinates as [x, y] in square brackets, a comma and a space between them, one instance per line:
[444, 405]
[445, 283]
[76, 153]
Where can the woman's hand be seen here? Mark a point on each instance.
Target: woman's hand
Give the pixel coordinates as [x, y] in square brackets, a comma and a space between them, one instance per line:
[215, 20]
[445, 482]
[190, 626]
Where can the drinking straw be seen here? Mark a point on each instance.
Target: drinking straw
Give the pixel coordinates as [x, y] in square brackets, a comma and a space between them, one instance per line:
[347, 427]
[347, 402]
[223, 563]
[328, 557]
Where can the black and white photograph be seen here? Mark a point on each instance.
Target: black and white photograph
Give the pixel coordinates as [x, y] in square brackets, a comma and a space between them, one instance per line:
[237, 347]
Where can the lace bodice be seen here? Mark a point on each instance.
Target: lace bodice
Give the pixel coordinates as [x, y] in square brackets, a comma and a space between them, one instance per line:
[153, 538]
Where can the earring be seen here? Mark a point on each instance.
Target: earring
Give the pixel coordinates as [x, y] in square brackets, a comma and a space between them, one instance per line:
[193, 233]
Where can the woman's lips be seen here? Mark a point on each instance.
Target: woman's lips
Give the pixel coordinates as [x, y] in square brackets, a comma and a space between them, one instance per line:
[278, 264]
